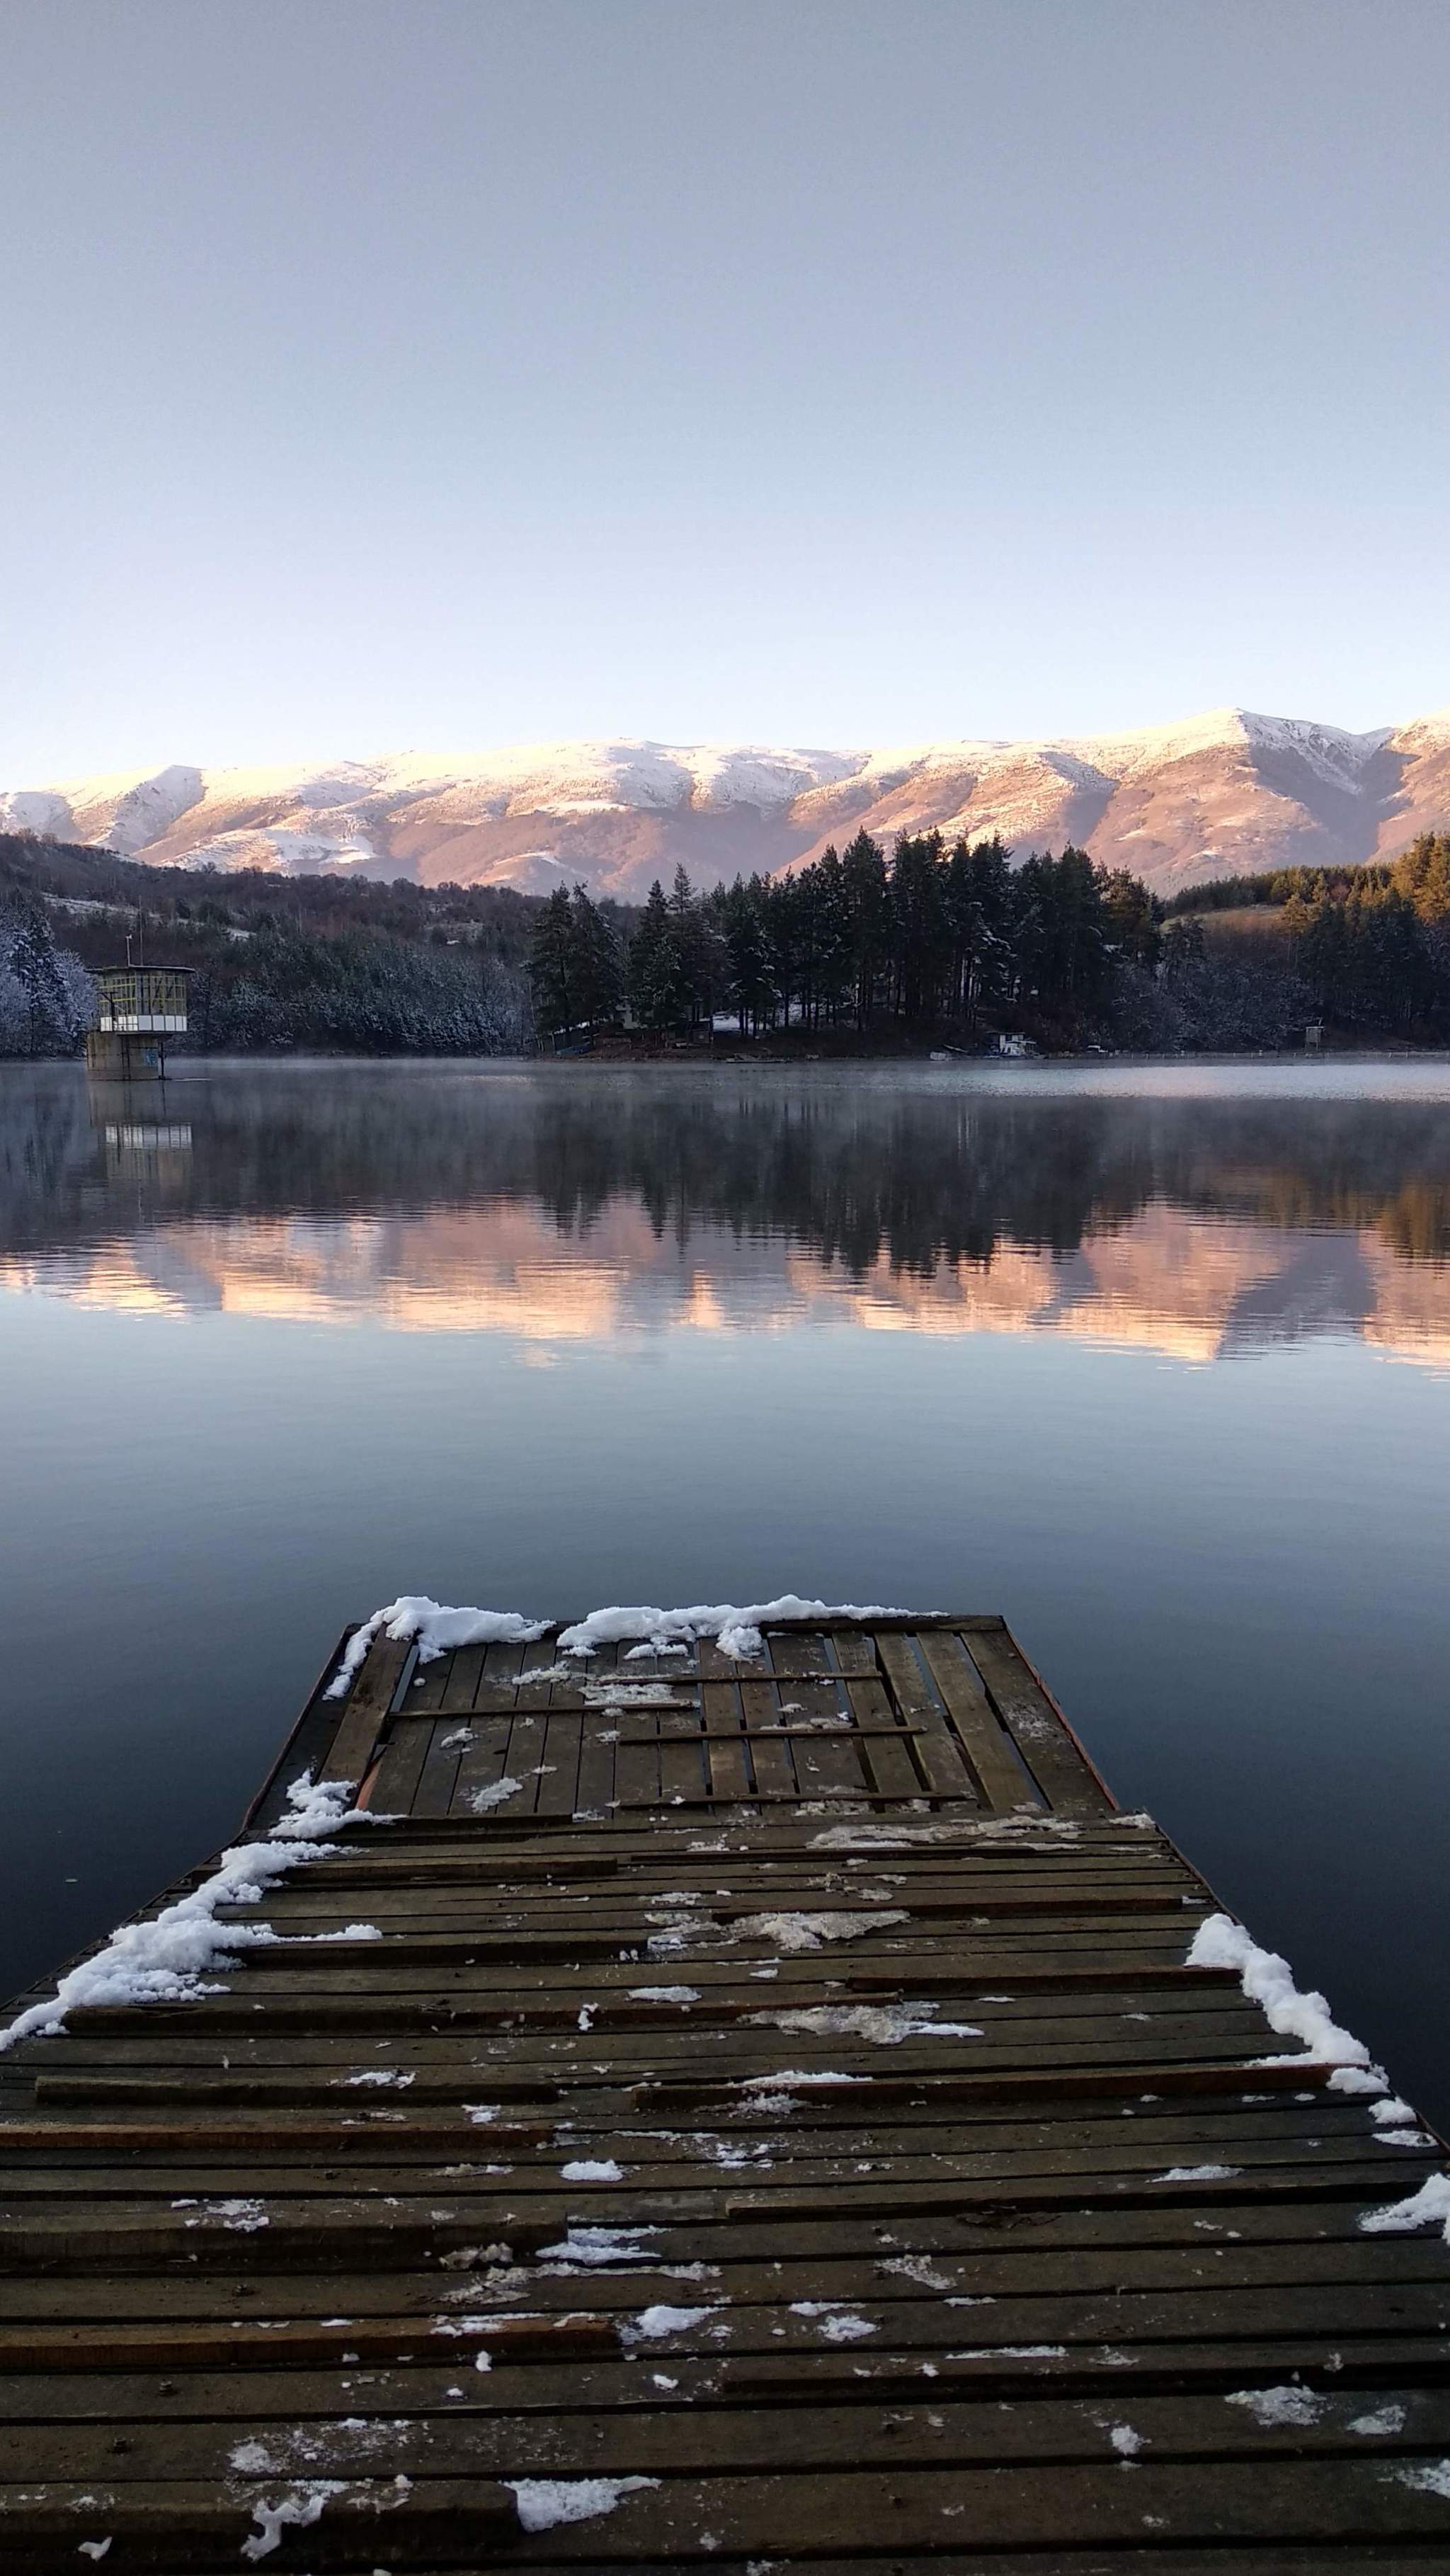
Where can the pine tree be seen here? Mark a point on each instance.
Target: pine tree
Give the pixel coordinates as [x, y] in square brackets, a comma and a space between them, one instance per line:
[696, 950]
[990, 918]
[50, 1020]
[552, 966]
[1133, 917]
[833, 934]
[752, 984]
[919, 931]
[868, 908]
[656, 982]
[598, 964]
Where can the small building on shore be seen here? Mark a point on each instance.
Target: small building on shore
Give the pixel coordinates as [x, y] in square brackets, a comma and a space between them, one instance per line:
[140, 1007]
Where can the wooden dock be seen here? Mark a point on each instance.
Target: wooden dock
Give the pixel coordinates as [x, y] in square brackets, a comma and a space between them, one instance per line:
[766, 2117]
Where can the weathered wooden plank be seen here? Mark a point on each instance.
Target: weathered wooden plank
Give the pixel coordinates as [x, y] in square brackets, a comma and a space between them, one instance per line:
[729, 1766]
[248, 2340]
[480, 1768]
[700, 2441]
[886, 1748]
[770, 1758]
[394, 1784]
[1070, 1786]
[426, 1692]
[1004, 1782]
[439, 1774]
[854, 1650]
[943, 1772]
[560, 1758]
[797, 1656]
[465, 1672]
[798, 2513]
[365, 1709]
[1070, 2254]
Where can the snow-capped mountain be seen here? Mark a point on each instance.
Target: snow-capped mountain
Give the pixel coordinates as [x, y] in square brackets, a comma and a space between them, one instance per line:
[1218, 795]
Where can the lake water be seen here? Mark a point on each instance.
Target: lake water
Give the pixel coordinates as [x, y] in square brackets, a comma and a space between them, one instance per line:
[1154, 1360]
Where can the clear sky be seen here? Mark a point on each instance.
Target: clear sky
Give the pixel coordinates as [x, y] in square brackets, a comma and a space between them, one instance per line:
[441, 373]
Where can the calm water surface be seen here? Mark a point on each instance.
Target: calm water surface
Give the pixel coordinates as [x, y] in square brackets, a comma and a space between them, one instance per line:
[1155, 1360]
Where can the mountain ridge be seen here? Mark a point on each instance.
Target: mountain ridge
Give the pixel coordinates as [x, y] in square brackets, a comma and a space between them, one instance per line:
[1224, 793]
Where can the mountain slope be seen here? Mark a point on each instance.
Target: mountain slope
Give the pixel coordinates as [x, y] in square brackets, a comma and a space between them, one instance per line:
[1222, 794]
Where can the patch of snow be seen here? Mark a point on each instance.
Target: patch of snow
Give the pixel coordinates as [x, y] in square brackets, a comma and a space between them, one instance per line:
[494, 1795]
[601, 2245]
[797, 2075]
[301, 2506]
[1391, 2112]
[1386, 2420]
[382, 2075]
[664, 1994]
[1124, 2440]
[802, 1932]
[94, 2548]
[918, 2268]
[438, 1631]
[603, 2169]
[1267, 1980]
[620, 1697]
[1275, 2407]
[736, 1631]
[837, 2323]
[1427, 2207]
[1431, 2477]
[1350, 2079]
[1198, 2173]
[873, 1837]
[543, 2503]
[884, 2024]
[652, 2323]
[166, 1959]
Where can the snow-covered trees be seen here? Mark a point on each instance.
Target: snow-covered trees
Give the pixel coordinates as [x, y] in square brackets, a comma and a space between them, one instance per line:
[46, 997]
[369, 993]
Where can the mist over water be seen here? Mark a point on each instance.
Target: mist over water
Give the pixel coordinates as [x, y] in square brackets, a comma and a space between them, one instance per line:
[1154, 1360]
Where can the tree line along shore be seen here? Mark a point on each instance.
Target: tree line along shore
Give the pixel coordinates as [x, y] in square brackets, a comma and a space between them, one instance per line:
[861, 951]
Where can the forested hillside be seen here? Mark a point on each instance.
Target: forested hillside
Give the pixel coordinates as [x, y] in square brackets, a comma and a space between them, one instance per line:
[1368, 948]
[279, 962]
[922, 945]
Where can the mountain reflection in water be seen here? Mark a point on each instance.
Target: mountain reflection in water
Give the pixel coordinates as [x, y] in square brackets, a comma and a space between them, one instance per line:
[566, 1205]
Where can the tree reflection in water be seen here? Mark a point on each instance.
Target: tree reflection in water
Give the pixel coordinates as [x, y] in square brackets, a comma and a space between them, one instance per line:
[1253, 1211]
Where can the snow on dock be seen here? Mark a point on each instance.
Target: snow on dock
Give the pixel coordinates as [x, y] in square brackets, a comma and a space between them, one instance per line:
[720, 2087]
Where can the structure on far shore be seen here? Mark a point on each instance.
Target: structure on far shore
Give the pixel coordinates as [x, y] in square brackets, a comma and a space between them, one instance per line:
[140, 1008]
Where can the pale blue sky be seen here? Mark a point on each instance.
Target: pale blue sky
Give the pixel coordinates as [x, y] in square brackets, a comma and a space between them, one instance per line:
[440, 373]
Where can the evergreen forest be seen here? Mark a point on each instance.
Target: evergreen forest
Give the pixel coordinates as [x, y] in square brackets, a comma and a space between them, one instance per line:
[862, 948]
